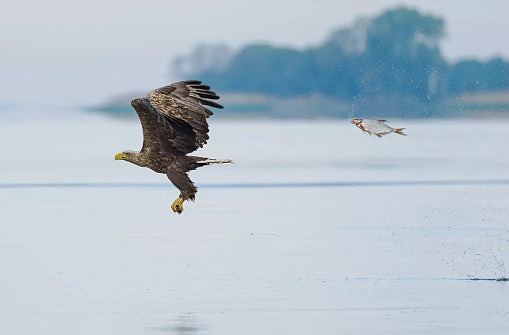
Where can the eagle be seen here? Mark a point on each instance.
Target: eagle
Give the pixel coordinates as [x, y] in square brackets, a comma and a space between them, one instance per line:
[174, 123]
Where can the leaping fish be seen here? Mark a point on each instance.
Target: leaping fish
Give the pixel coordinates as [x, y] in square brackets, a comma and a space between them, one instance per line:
[376, 127]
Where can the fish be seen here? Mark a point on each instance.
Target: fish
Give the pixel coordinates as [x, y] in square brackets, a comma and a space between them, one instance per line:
[376, 127]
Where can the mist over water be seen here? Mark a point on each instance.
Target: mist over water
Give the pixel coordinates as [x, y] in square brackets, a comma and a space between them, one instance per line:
[316, 228]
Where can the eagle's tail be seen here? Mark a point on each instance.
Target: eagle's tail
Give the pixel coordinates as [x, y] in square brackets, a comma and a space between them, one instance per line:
[214, 161]
[196, 162]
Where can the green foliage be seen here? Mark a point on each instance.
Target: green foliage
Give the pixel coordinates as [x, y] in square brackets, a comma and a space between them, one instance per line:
[403, 55]
[472, 75]
[262, 68]
[394, 54]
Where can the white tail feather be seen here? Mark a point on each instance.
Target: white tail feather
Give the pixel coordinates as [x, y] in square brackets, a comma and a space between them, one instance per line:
[215, 161]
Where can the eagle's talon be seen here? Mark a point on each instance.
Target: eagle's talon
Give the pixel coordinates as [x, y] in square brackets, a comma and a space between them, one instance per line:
[174, 124]
[178, 206]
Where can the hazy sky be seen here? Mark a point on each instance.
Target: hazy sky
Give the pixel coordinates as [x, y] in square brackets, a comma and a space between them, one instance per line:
[84, 52]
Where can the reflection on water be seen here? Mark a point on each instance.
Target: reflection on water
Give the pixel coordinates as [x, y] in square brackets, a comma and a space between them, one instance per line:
[185, 324]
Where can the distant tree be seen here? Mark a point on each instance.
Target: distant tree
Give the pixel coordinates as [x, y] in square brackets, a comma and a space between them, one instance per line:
[351, 40]
[395, 55]
[473, 75]
[468, 75]
[337, 59]
[403, 55]
[203, 58]
[497, 74]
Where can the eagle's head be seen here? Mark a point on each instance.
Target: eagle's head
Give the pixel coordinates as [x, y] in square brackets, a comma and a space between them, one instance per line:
[129, 156]
[134, 157]
[139, 102]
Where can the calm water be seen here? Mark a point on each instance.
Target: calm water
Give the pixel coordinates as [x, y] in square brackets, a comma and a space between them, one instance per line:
[317, 229]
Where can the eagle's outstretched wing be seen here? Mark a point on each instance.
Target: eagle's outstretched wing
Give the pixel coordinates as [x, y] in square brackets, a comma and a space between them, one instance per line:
[174, 117]
[184, 103]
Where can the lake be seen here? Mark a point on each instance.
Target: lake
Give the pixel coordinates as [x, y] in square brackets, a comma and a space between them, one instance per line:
[316, 229]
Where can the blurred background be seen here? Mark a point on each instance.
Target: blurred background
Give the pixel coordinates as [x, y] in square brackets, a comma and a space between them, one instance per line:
[317, 228]
[315, 59]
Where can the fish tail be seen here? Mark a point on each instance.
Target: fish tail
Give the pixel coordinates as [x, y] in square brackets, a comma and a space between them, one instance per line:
[400, 131]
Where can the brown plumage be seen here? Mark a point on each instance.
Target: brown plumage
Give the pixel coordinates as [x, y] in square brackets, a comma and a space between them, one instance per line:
[174, 123]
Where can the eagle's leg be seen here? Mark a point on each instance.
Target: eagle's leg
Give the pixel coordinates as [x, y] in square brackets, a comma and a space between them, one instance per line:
[177, 173]
[178, 205]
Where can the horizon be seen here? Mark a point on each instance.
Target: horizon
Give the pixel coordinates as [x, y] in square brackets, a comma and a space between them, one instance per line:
[100, 54]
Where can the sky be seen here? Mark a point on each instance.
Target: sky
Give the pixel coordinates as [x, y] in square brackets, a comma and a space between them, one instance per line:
[65, 53]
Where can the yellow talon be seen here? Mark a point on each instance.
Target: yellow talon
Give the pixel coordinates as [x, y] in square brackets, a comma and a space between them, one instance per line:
[178, 205]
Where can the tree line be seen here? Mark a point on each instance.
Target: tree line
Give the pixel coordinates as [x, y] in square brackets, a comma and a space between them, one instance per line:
[395, 54]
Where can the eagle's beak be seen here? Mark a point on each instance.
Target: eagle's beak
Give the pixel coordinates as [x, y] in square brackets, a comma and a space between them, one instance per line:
[119, 156]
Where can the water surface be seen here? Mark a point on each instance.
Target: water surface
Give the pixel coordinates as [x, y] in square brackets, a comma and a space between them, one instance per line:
[317, 229]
